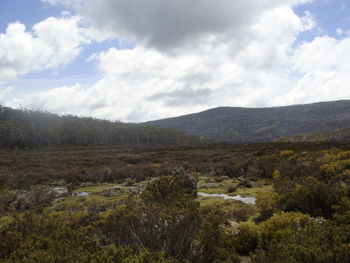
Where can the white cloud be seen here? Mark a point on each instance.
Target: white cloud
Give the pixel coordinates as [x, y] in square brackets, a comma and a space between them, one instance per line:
[270, 44]
[171, 25]
[323, 54]
[249, 59]
[142, 84]
[324, 71]
[309, 21]
[56, 2]
[51, 43]
[339, 31]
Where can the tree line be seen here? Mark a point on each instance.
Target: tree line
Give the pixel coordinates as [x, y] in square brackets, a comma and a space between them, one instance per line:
[30, 129]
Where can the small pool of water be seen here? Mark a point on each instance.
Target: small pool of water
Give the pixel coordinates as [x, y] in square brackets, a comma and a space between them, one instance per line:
[60, 190]
[245, 199]
[81, 194]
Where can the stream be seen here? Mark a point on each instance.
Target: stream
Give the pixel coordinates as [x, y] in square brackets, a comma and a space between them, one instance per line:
[245, 199]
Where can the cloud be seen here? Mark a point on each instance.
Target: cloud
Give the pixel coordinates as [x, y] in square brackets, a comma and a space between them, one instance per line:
[56, 2]
[168, 25]
[188, 56]
[183, 96]
[339, 31]
[141, 83]
[4, 92]
[323, 69]
[51, 43]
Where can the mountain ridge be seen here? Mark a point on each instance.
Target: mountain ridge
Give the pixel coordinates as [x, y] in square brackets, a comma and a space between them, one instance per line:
[238, 124]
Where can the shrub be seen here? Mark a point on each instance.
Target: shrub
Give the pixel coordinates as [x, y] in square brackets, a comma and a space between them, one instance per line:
[267, 204]
[232, 188]
[245, 183]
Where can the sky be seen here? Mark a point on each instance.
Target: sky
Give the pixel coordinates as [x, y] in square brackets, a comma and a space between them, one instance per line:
[141, 60]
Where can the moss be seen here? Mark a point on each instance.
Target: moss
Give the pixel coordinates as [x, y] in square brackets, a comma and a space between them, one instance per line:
[252, 191]
[95, 188]
[242, 191]
[232, 209]
[214, 191]
[213, 201]
[6, 220]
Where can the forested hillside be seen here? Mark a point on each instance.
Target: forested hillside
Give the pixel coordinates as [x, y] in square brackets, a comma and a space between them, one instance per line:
[23, 128]
[261, 124]
[337, 135]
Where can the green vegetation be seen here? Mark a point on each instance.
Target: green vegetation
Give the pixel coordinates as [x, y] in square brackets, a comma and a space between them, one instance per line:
[142, 206]
[32, 129]
[335, 135]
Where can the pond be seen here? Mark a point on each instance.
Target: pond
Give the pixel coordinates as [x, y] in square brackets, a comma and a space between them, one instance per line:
[81, 194]
[61, 190]
[245, 199]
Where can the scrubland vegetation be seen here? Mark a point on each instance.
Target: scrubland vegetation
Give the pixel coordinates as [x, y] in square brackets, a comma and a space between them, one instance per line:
[114, 204]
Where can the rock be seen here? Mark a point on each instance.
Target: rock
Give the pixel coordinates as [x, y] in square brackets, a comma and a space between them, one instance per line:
[114, 191]
[232, 228]
[224, 177]
[129, 183]
[60, 190]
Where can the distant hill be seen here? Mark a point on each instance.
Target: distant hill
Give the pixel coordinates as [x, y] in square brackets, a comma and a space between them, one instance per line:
[229, 124]
[28, 129]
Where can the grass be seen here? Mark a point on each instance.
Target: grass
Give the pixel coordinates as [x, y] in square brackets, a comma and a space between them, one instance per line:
[6, 220]
[95, 188]
[242, 191]
[234, 210]
[252, 191]
[215, 201]
[213, 191]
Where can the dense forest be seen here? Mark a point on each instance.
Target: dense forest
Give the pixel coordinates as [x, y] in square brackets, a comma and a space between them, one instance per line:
[28, 129]
[227, 124]
[107, 204]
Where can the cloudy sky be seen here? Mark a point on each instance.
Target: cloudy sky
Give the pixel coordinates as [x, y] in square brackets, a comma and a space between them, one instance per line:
[138, 60]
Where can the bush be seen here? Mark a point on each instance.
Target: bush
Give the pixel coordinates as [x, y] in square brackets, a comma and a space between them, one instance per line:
[247, 239]
[316, 243]
[232, 188]
[280, 226]
[245, 183]
[267, 205]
